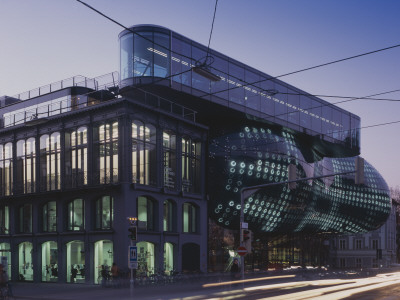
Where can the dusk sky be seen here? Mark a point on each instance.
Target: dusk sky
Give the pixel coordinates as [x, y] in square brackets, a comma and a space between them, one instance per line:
[44, 41]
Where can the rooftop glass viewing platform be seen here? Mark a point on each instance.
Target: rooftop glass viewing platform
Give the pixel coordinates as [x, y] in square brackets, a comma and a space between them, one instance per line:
[149, 51]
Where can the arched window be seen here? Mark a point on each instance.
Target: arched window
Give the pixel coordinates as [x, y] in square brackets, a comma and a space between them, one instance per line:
[50, 216]
[103, 256]
[146, 259]
[25, 218]
[191, 167]
[76, 215]
[146, 213]
[168, 258]
[26, 166]
[49, 261]
[6, 253]
[169, 216]
[50, 162]
[144, 154]
[6, 169]
[104, 212]
[106, 153]
[4, 219]
[189, 218]
[76, 157]
[75, 268]
[25, 261]
[25, 265]
[169, 152]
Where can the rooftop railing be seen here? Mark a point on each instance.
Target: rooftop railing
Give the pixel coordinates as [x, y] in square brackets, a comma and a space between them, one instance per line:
[37, 113]
[96, 83]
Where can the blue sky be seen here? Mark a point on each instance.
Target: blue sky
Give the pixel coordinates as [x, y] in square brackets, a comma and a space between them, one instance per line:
[44, 41]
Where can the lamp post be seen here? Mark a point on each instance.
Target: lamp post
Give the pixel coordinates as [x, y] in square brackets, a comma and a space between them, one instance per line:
[133, 237]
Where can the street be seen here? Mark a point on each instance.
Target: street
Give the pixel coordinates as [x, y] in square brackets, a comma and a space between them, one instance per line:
[304, 285]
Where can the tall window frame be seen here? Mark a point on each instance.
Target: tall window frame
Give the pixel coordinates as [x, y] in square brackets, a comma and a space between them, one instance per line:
[76, 215]
[4, 219]
[26, 165]
[189, 218]
[76, 157]
[144, 153]
[106, 152]
[169, 158]
[25, 218]
[146, 213]
[50, 161]
[169, 215]
[49, 216]
[104, 213]
[191, 165]
[6, 169]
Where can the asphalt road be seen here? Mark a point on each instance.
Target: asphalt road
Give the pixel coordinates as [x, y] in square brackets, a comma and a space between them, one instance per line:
[271, 286]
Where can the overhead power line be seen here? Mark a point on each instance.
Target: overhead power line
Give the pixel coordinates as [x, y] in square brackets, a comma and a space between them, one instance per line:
[259, 81]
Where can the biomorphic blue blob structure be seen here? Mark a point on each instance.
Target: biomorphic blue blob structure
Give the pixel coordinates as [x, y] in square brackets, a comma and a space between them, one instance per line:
[254, 155]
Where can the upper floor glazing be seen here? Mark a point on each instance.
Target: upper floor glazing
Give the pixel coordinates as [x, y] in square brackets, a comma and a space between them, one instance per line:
[153, 51]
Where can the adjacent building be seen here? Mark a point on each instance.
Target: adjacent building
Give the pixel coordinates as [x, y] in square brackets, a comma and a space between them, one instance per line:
[170, 140]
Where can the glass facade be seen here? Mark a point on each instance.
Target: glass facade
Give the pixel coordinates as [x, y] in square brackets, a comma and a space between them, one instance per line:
[158, 52]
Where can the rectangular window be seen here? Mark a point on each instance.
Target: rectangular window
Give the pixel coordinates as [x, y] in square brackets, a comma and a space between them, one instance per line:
[25, 218]
[342, 262]
[4, 220]
[342, 244]
[358, 244]
[374, 244]
[191, 167]
[169, 149]
[358, 262]
[106, 153]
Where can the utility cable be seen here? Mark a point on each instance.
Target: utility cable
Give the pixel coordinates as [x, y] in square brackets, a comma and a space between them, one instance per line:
[212, 27]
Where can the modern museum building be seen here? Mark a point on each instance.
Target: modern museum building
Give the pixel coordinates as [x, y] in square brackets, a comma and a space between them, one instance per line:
[170, 139]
